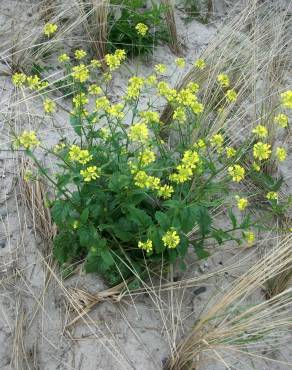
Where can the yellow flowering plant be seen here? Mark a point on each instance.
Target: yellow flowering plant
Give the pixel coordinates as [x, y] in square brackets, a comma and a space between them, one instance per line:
[123, 195]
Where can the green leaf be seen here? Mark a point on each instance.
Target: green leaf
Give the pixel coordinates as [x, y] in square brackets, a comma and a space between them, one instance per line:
[76, 123]
[139, 217]
[232, 218]
[163, 220]
[60, 211]
[84, 215]
[200, 251]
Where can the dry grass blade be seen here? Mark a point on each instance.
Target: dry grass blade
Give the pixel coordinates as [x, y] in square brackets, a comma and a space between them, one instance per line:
[231, 324]
[171, 25]
[34, 195]
[100, 27]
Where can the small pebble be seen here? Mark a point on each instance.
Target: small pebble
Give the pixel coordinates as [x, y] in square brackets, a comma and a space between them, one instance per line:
[200, 290]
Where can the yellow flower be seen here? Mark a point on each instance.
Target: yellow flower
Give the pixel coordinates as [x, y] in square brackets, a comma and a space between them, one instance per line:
[171, 239]
[50, 28]
[261, 131]
[80, 73]
[165, 91]
[165, 191]
[116, 110]
[94, 89]
[200, 64]
[142, 180]
[33, 82]
[113, 61]
[193, 87]
[180, 62]
[282, 120]
[58, 147]
[286, 99]
[217, 141]
[104, 132]
[242, 203]
[27, 139]
[80, 54]
[80, 100]
[75, 224]
[184, 174]
[63, 58]
[28, 176]
[49, 106]
[95, 63]
[150, 117]
[272, 195]
[236, 172]
[79, 155]
[256, 166]
[146, 246]
[200, 144]
[151, 80]
[18, 79]
[141, 29]
[139, 132]
[281, 154]
[250, 237]
[146, 157]
[261, 150]
[160, 68]
[90, 173]
[231, 95]
[102, 103]
[190, 159]
[223, 80]
[134, 87]
[179, 115]
[230, 152]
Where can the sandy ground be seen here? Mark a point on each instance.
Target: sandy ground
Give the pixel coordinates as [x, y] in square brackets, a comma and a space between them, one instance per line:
[36, 305]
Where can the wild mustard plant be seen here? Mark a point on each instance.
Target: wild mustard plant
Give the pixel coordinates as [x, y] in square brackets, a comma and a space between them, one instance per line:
[125, 197]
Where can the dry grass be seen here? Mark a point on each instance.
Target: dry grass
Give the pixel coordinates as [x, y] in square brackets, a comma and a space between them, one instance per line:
[171, 25]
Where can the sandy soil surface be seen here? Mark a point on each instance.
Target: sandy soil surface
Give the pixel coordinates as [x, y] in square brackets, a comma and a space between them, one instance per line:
[36, 305]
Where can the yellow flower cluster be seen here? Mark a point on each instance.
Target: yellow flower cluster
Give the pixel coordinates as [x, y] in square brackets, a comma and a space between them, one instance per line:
[261, 131]
[187, 98]
[286, 99]
[249, 237]
[261, 151]
[80, 54]
[242, 203]
[217, 141]
[200, 64]
[171, 239]
[179, 115]
[166, 91]
[27, 139]
[116, 110]
[113, 61]
[94, 90]
[281, 154]
[80, 73]
[50, 29]
[230, 152]
[180, 62]
[80, 100]
[142, 180]
[49, 106]
[95, 63]
[186, 168]
[102, 103]
[146, 157]
[272, 195]
[146, 246]
[160, 68]
[141, 29]
[139, 132]
[90, 173]
[134, 87]
[236, 172]
[165, 191]
[223, 80]
[150, 117]
[18, 79]
[282, 120]
[79, 155]
[231, 95]
[63, 58]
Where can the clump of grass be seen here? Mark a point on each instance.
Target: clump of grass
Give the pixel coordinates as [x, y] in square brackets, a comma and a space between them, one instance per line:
[232, 326]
